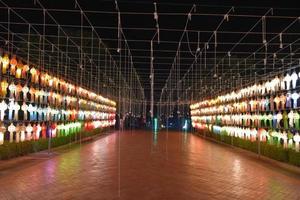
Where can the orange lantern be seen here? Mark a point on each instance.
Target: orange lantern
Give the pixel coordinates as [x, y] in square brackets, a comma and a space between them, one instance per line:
[32, 94]
[5, 63]
[37, 77]
[19, 69]
[43, 79]
[24, 71]
[4, 86]
[13, 63]
[33, 73]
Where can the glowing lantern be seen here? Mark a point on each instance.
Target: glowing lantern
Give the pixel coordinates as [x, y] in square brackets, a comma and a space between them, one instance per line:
[24, 71]
[18, 91]
[11, 107]
[5, 63]
[4, 86]
[13, 63]
[44, 130]
[12, 89]
[19, 69]
[297, 140]
[16, 110]
[40, 113]
[3, 107]
[24, 108]
[38, 131]
[32, 94]
[294, 78]
[29, 131]
[2, 132]
[33, 73]
[285, 139]
[11, 129]
[31, 110]
[53, 130]
[43, 79]
[25, 90]
[22, 132]
[41, 95]
[34, 135]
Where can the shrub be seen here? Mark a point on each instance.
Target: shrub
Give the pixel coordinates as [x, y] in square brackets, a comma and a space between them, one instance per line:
[294, 157]
[272, 151]
[11, 150]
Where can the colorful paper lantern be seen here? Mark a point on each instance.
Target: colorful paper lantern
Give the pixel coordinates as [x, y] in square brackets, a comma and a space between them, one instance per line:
[11, 129]
[3, 108]
[13, 63]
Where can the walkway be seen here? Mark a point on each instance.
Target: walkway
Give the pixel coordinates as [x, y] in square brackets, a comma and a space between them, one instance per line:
[139, 165]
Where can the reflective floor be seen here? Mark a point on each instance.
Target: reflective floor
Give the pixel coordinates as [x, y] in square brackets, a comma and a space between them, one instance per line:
[141, 165]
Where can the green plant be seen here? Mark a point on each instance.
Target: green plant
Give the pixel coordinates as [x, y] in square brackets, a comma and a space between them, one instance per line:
[11, 150]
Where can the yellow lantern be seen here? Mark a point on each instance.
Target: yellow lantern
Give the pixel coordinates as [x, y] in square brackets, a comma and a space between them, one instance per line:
[4, 86]
[33, 73]
[5, 63]
[19, 69]
[13, 63]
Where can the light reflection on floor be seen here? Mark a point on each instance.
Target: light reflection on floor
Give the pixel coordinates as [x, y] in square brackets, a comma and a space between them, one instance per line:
[145, 165]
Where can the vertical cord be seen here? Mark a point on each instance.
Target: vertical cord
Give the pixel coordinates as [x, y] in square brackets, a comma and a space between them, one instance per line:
[58, 56]
[91, 60]
[44, 33]
[8, 29]
[98, 68]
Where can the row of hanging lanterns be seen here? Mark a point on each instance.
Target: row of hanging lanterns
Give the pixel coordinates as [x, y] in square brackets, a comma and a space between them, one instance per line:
[33, 102]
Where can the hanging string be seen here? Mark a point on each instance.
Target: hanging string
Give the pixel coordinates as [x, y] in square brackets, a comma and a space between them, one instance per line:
[44, 35]
[264, 40]
[91, 60]
[280, 40]
[58, 64]
[291, 55]
[98, 67]
[8, 30]
[155, 15]
[67, 51]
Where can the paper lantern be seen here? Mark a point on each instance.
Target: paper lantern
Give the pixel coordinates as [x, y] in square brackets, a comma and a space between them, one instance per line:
[294, 78]
[24, 108]
[32, 94]
[19, 69]
[2, 132]
[4, 86]
[31, 110]
[11, 129]
[11, 106]
[5, 63]
[38, 130]
[33, 73]
[25, 90]
[24, 71]
[288, 80]
[22, 132]
[13, 63]
[18, 91]
[43, 79]
[53, 129]
[44, 130]
[297, 140]
[16, 111]
[12, 89]
[34, 135]
[29, 132]
[3, 107]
